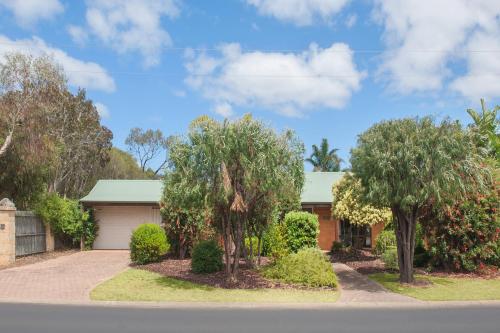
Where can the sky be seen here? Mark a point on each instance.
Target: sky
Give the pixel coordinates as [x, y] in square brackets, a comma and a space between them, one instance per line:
[324, 68]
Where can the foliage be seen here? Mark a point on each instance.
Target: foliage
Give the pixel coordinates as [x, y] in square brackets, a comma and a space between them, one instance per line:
[254, 249]
[309, 267]
[410, 164]
[348, 204]
[337, 247]
[90, 229]
[67, 219]
[385, 239]
[233, 167]
[323, 159]
[274, 241]
[148, 244]
[207, 257]
[301, 230]
[146, 146]
[121, 165]
[465, 235]
[51, 138]
[390, 258]
[487, 127]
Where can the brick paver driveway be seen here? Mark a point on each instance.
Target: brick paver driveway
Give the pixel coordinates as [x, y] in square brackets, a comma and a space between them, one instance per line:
[67, 278]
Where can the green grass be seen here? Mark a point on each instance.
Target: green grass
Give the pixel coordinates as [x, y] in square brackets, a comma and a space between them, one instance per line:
[443, 289]
[141, 285]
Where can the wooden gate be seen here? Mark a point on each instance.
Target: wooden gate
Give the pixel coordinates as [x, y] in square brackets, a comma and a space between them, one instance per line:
[30, 234]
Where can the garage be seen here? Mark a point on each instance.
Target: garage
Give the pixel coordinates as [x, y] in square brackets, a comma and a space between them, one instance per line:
[120, 206]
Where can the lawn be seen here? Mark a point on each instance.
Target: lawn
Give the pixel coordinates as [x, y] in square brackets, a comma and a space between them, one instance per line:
[443, 289]
[141, 285]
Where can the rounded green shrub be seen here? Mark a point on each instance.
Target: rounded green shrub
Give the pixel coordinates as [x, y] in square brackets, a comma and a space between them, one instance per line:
[386, 239]
[337, 247]
[207, 257]
[308, 267]
[148, 244]
[390, 258]
[301, 230]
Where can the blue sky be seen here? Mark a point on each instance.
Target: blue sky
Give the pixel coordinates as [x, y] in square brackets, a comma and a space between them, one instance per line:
[325, 68]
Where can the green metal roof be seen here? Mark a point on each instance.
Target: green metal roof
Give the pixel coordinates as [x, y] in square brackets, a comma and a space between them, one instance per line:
[317, 189]
[125, 191]
[318, 186]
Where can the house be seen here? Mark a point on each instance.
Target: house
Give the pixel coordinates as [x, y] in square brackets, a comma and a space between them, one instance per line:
[317, 198]
[122, 205]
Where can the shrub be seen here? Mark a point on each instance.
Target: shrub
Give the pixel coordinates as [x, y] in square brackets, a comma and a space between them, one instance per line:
[390, 258]
[301, 230]
[386, 239]
[336, 247]
[148, 244]
[255, 243]
[274, 242]
[465, 236]
[308, 267]
[67, 219]
[207, 257]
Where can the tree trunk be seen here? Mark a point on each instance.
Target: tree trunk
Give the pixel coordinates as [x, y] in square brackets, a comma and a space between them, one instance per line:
[6, 143]
[405, 236]
[259, 243]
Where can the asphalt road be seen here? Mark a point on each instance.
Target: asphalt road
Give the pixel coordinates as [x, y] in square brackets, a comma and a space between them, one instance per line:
[27, 318]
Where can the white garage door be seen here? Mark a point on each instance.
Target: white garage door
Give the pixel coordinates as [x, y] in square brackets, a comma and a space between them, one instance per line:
[116, 224]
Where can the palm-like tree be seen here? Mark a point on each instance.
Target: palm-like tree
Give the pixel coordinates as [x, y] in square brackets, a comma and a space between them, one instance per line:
[324, 159]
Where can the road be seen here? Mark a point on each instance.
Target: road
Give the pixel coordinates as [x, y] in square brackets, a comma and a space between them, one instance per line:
[28, 318]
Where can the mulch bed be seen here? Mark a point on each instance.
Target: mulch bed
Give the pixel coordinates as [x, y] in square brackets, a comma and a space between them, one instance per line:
[248, 278]
[39, 257]
[365, 262]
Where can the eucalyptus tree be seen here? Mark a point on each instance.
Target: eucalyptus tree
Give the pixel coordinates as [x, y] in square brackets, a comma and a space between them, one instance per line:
[233, 167]
[412, 164]
[146, 145]
[324, 158]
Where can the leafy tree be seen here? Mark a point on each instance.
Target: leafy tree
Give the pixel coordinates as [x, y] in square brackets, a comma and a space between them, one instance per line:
[146, 146]
[487, 127]
[348, 204]
[236, 166]
[28, 87]
[121, 165]
[410, 164]
[324, 159]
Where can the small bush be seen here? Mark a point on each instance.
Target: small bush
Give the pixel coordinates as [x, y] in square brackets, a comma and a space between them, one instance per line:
[386, 239]
[148, 244]
[390, 258]
[274, 243]
[308, 267]
[337, 247]
[207, 257]
[301, 230]
[255, 243]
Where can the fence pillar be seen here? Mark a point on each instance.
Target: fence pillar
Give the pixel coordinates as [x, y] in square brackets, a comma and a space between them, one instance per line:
[7, 232]
[49, 238]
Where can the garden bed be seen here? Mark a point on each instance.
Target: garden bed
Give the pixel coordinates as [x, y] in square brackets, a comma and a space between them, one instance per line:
[248, 278]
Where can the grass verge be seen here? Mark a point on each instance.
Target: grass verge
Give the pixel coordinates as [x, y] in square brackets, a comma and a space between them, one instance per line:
[141, 285]
[443, 289]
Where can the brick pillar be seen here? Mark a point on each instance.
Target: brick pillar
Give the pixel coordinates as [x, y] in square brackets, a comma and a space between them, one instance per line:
[7, 232]
[376, 229]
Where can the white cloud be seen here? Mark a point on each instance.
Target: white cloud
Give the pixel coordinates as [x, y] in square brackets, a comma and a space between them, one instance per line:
[351, 20]
[131, 26]
[80, 73]
[426, 42]
[224, 109]
[179, 93]
[299, 12]
[78, 34]
[287, 83]
[102, 110]
[29, 12]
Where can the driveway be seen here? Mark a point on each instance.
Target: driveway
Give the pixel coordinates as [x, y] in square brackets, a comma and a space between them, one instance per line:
[68, 278]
